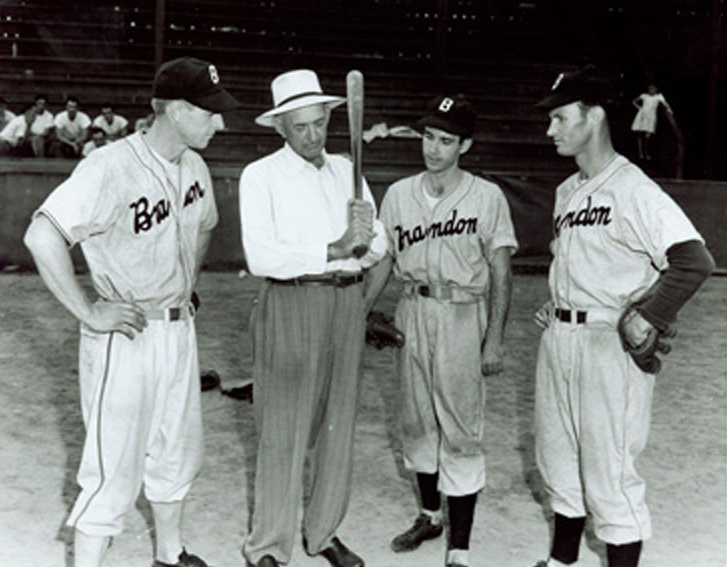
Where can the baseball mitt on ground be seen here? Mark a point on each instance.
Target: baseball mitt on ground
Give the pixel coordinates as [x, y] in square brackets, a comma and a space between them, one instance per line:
[381, 331]
[644, 352]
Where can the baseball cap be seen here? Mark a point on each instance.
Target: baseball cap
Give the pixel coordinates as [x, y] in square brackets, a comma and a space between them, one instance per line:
[453, 114]
[587, 85]
[195, 81]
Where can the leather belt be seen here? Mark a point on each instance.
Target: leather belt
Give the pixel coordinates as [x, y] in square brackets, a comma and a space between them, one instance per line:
[334, 280]
[441, 292]
[170, 313]
[568, 316]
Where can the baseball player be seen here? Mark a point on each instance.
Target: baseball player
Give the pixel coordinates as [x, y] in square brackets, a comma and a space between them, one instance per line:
[450, 242]
[142, 210]
[619, 241]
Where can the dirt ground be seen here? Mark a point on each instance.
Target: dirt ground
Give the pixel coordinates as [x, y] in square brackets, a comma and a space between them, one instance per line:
[41, 438]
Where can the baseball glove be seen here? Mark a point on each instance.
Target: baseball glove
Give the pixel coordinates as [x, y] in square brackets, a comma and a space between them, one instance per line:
[381, 331]
[644, 352]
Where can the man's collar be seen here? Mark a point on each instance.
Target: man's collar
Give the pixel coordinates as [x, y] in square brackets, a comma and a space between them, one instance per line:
[298, 163]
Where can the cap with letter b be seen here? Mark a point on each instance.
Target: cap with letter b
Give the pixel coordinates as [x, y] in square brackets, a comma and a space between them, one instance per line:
[587, 85]
[453, 114]
[195, 81]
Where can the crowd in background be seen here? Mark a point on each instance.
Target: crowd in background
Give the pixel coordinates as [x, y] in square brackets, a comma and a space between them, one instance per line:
[70, 134]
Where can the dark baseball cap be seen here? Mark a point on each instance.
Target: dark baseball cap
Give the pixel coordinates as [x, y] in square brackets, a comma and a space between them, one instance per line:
[195, 81]
[587, 85]
[453, 114]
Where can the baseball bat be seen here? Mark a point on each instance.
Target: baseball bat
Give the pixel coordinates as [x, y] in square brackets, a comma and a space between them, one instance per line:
[354, 103]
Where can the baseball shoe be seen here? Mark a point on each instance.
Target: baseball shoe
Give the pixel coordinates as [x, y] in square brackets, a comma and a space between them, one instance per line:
[185, 560]
[541, 564]
[265, 561]
[337, 554]
[422, 530]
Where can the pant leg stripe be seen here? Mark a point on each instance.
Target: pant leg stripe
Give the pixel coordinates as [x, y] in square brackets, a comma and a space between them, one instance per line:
[99, 424]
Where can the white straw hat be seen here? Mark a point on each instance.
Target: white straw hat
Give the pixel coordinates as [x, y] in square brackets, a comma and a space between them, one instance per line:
[296, 89]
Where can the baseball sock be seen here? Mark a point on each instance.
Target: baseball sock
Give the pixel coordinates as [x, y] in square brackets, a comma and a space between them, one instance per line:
[626, 555]
[567, 538]
[461, 514]
[429, 493]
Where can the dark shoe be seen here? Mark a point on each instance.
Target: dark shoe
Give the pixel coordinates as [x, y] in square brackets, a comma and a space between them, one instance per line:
[265, 561]
[185, 560]
[338, 555]
[422, 530]
[541, 564]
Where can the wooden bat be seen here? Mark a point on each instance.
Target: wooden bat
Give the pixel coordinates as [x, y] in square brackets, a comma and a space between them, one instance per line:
[354, 103]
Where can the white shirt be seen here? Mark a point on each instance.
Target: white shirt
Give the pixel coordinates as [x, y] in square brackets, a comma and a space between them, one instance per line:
[290, 211]
[114, 129]
[72, 128]
[6, 117]
[42, 123]
[14, 130]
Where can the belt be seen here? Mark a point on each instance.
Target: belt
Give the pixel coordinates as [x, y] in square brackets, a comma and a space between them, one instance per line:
[443, 292]
[334, 280]
[607, 315]
[170, 313]
[568, 316]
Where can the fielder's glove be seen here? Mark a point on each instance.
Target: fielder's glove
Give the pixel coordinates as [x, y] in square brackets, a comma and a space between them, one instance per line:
[381, 331]
[643, 350]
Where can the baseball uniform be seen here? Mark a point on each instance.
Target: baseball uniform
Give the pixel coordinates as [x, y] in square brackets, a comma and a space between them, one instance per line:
[593, 404]
[138, 219]
[442, 252]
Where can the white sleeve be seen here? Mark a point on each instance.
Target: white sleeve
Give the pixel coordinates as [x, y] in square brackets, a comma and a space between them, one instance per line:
[266, 254]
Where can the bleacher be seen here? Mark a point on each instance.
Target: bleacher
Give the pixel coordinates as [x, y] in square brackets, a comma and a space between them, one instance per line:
[501, 54]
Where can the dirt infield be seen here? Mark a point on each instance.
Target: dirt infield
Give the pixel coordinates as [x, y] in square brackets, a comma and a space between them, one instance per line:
[41, 437]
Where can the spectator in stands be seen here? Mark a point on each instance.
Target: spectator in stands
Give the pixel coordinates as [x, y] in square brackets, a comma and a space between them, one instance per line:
[15, 136]
[644, 124]
[41, 129]
[98, 140]
[5, 115]
[71, 130]
[114, 125]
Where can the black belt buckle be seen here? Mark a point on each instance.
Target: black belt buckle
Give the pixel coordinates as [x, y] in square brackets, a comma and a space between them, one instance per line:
[175, 313]
[345, 281]
[425, 291]
[565, 315]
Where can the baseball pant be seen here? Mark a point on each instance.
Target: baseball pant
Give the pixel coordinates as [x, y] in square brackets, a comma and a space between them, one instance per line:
[443, 391]
[141, 406]
[592, 415]
[307, 351]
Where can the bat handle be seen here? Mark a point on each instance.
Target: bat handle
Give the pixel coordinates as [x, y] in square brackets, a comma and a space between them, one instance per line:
[360, 250]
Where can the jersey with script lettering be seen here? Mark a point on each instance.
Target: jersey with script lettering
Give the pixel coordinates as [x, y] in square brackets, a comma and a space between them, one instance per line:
[611, 235]
[138, 219]
[451, 243]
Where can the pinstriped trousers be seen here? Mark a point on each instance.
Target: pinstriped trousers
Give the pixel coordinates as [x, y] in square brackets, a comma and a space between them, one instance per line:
[307, 343]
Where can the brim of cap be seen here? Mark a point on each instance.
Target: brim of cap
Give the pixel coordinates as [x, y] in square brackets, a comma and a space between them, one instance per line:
[555, 100]
[443, 124]
[266, 118]
[220, 101]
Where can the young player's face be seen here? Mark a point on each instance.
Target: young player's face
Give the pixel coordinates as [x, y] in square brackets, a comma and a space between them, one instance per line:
[441, 150]
[196, 125]
[306, 130]
[570, 129]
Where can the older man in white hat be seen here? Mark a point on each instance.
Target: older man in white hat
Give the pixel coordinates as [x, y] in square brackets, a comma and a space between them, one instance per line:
[300, 227]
